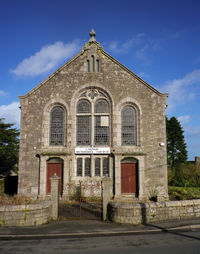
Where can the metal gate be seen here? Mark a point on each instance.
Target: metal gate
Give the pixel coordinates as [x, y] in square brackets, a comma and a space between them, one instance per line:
[81, 207]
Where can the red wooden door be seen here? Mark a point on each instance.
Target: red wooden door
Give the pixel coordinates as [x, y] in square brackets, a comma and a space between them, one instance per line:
[128, 177]
[53, 168]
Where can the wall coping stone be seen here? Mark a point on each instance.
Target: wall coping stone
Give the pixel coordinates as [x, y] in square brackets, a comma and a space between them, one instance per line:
[41, 205]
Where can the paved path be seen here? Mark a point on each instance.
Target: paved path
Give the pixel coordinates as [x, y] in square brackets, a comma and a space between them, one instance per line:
[93, 228]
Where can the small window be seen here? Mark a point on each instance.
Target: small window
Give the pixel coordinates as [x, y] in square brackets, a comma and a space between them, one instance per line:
[93, 64]
[97, 65]
[88, 65]
[97, 166]
[79, 167]
[87, 167]
[57, 126]
[105, 167]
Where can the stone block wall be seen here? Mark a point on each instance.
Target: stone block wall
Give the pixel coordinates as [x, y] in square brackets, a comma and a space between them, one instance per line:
[25, 215]
[136, 213]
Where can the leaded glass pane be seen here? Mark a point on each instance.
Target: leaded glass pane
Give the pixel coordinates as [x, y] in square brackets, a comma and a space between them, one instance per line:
[97, 167]
[83, 130]
[87, 167]
[79, 167]
[129, 134]
[105, 167]
[84, 106]
[101, 130]
[57, 126]
[101, 106]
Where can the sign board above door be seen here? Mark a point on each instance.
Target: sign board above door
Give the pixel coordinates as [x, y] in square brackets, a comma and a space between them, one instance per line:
[92, 150]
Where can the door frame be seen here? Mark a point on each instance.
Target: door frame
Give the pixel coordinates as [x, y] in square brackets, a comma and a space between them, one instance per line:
[57, 161]
[130, 160]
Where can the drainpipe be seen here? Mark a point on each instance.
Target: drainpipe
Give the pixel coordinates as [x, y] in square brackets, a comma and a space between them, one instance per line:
[38, 156]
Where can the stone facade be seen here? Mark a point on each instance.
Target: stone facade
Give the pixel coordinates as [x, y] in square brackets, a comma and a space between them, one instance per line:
[93, 76]
[137, 213]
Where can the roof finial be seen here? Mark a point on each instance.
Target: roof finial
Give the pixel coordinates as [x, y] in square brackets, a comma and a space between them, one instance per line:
[92, 35]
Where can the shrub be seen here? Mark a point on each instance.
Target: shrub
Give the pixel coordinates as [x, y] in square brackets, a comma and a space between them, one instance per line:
[16, 200]
[183, 193]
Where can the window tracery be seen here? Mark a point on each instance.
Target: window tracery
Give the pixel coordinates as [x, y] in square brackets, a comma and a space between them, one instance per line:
[93, 119]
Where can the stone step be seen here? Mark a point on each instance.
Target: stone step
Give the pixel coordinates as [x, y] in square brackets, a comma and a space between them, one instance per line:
[127, 198]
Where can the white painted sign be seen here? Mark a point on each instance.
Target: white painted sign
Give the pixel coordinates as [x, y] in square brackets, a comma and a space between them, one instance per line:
[104, 121]
[92, 150]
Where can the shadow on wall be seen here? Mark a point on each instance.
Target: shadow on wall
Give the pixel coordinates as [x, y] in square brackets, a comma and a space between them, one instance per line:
[10, 185]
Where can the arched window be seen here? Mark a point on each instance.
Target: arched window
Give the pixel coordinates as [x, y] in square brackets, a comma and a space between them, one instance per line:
[93, 119]
[57, 126]
[128, 126]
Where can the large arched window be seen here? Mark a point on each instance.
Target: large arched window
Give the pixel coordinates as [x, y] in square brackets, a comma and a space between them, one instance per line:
[57, 126]
[128, 126]
[93, 119]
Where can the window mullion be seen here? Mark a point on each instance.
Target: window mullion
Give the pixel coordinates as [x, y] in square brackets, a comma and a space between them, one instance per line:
[92, 126]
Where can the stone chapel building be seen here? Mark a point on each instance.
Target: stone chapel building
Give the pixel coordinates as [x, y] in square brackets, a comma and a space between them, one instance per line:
[90, 119]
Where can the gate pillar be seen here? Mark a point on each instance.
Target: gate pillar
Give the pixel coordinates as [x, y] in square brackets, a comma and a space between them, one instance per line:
[55, 180]
[107, 194]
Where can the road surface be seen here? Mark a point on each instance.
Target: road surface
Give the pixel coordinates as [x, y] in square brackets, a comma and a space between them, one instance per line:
[175, 242]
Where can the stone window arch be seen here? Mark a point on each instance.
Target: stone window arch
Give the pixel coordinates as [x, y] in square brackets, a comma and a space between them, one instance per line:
[57, 123]
[129, 126]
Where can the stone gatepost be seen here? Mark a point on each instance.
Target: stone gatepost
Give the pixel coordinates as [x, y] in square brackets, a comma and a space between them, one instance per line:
[55, 182]
[107, 194]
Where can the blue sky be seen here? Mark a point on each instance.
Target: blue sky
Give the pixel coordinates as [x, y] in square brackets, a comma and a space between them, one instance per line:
[159, 40]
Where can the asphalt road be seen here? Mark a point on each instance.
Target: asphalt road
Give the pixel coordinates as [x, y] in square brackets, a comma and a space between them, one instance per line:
[162, 243]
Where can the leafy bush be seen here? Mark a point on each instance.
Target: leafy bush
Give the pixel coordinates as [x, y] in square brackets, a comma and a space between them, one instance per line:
[183, 193]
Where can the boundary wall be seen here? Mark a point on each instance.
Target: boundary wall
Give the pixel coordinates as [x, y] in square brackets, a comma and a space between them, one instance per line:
[137, 213]
[26, 215]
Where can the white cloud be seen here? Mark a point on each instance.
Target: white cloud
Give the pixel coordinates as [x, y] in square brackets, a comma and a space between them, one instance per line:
[2, 93]
[123, 48]
[46, 59]
[184, 119]
[141, 54]
[11, 113]
[180, 91]
[143, 46]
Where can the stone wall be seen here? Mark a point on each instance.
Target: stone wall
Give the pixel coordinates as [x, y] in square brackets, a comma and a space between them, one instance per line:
[136, 213]
[25, 215]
